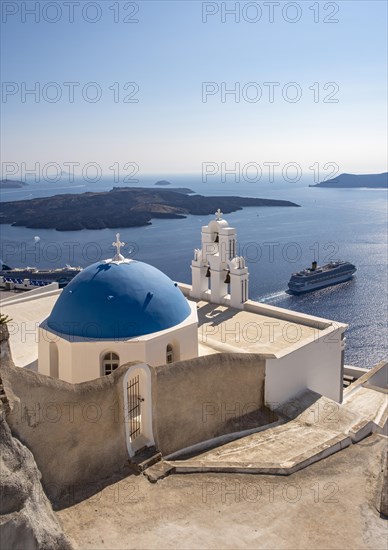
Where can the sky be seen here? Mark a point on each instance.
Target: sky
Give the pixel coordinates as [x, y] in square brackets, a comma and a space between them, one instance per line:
[144, 85]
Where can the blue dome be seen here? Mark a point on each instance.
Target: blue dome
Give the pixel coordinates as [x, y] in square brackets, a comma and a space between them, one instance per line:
[118, 300]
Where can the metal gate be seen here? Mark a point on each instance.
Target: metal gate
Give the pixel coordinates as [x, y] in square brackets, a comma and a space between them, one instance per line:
[138, 411]
[134, 407]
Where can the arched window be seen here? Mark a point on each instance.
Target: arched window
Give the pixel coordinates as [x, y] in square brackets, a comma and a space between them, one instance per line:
[110, 362]
[169, 354]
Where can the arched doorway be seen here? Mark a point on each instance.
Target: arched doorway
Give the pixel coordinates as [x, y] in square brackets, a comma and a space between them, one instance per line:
[138, 408]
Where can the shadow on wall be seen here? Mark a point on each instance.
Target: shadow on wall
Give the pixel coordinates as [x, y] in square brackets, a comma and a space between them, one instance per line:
[75, 432]
[203, 398]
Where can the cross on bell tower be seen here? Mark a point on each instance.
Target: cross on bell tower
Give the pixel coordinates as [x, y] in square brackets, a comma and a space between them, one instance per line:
[219, 215]
[118, 244]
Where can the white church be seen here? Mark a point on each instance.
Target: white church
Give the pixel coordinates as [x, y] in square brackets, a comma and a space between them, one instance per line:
[121, 311]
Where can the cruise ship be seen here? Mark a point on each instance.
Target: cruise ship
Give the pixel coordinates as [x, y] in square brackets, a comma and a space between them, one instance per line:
[317, 277]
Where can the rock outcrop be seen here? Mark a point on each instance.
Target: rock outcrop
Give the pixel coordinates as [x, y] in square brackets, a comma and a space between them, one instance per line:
[27, 520]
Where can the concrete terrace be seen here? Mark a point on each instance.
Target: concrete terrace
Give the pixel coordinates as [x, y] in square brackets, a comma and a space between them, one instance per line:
[27, 310]
[258, 328]
[311, 427]
[222, 327]
[330, 505]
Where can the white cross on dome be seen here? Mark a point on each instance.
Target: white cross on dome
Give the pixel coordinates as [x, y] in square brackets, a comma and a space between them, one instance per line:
[118, 244]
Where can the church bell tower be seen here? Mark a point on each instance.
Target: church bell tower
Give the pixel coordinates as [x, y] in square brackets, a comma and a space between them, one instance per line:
[218, 275]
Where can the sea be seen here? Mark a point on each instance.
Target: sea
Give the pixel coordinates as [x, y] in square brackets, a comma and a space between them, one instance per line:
[347, 224]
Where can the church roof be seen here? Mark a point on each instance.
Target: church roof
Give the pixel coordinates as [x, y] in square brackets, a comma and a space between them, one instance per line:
[118, 299]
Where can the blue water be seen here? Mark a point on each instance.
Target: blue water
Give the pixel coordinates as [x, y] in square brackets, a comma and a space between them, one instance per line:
[350, 224]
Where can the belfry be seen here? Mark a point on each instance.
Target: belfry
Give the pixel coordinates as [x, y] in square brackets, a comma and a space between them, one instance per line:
[218, 274]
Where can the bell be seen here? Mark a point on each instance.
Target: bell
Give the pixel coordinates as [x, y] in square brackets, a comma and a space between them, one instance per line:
[227, 278]
[217, 240]
[208, 272]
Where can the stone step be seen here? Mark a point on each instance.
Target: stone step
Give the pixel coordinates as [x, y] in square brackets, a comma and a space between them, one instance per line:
[257, 459]
[158, 471]
[145, 458]
[347, 380]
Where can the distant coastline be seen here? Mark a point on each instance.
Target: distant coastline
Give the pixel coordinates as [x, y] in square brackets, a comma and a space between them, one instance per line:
[373, 181]
[163, 182]
[12, 184]
[120, 207]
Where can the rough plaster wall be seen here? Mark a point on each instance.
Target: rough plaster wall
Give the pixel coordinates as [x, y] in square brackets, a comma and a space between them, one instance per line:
[75, 432]
[27, 521]
[202, 398]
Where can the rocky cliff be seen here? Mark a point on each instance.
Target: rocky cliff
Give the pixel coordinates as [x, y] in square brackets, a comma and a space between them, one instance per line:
[27, 521]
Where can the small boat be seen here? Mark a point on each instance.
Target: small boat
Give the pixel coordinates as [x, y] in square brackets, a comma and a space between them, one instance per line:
[317, 277]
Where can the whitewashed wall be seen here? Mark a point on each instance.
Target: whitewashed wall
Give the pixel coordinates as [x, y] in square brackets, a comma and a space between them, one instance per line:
[316, 366]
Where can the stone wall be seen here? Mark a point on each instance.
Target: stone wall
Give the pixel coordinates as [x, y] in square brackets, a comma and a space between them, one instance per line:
[75, 432]
[206, 397]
